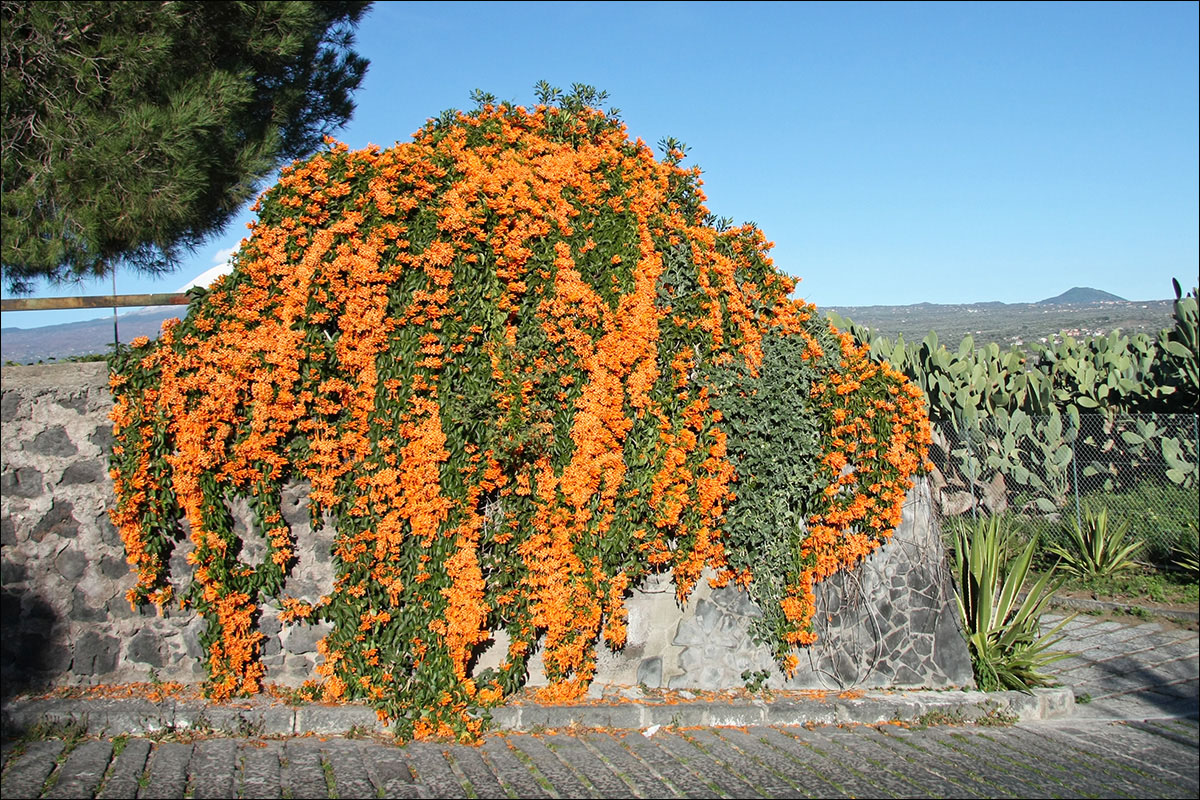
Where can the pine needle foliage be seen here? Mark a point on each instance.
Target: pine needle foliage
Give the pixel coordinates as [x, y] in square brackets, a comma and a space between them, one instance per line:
[134, 130]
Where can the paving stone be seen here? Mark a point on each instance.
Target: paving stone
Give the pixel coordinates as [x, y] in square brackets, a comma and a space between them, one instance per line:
[1182, 669]
[961, 746]
[1119, 684]
[167, 771]
[1096, 630]
[1040, 739]
[806, 781]
[683, 781]
[388, 769]
[720, 747]
[1049, 764]
[428, 760]
[518, 778]
[815, 749]
[933, 775]
[1083, 758]
[28, 771]
[211, 770]
[1185, 732]
[345, 762]
[302, 770]
[563, 778]
[717, 776]
[1123, 663]
[126, 770]
[627, 766]
[483, 782]
[1127, 639]
[1159, 754]
[80, 774]
[259, 774]
[1164, 769]
[868, 763]
[592, 770]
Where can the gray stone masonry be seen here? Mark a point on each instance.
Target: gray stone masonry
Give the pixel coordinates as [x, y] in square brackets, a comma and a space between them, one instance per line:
[890, 623]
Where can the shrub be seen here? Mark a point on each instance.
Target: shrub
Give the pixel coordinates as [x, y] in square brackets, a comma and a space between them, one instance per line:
[519, 364]
[1001, 618]
[1096, 549]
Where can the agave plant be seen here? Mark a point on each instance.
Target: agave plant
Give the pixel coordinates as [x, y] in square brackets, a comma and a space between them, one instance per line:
[1098, 548]
[1002, 621]
[1188, 551]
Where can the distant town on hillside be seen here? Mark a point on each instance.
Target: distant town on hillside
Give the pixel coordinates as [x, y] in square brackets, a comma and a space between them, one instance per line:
[1078, 312]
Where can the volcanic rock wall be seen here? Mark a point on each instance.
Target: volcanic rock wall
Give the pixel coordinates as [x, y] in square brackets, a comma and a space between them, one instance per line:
[890, 623]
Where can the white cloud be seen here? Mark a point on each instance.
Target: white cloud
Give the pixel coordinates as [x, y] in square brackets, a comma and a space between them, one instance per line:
[223, 265]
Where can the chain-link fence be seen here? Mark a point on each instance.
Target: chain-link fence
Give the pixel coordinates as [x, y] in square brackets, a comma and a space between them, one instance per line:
[1043, 474]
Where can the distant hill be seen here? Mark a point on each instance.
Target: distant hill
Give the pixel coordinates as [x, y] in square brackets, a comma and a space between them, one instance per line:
[1009, 324]
[1081, 295]
[30, 345]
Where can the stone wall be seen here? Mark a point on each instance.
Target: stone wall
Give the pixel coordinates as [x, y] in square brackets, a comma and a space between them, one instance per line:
[890, 623]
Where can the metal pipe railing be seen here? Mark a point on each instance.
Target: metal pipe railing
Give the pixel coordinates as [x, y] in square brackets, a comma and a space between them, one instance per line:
[94, 301]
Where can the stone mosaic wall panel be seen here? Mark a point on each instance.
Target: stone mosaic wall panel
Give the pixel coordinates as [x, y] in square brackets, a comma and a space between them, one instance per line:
[890, 623]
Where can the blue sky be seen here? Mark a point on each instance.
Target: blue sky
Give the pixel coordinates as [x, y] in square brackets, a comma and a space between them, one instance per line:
[895, 153]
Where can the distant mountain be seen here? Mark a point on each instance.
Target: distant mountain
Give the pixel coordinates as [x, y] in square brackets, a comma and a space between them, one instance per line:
[1081, 295]
[1013, 323]
[30, 345]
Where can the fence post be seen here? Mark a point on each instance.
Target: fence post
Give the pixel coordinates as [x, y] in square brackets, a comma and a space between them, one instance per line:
[116, 335]
[974, 478]
[1075, 471]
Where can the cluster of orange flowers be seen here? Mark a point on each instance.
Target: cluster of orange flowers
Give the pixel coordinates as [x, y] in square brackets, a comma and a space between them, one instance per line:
[485, 352]
[876, 439]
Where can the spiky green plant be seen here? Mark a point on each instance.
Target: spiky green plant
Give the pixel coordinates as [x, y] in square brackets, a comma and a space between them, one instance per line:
[1098, 548]
[1002, 622]
[1188, 551]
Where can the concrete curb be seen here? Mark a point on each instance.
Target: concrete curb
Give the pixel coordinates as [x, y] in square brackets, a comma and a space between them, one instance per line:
[797, 709]
[253, 719]
[1083, 604]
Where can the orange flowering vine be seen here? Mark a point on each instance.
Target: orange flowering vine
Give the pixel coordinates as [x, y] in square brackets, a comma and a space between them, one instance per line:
[513, 360]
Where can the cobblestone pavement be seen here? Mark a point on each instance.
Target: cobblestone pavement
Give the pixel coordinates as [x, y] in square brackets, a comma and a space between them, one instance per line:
[1137, 736]
[1129, 670]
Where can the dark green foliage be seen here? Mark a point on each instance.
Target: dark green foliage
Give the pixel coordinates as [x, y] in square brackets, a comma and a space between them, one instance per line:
[1179, 362]
[134, 130]
[775, 442]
